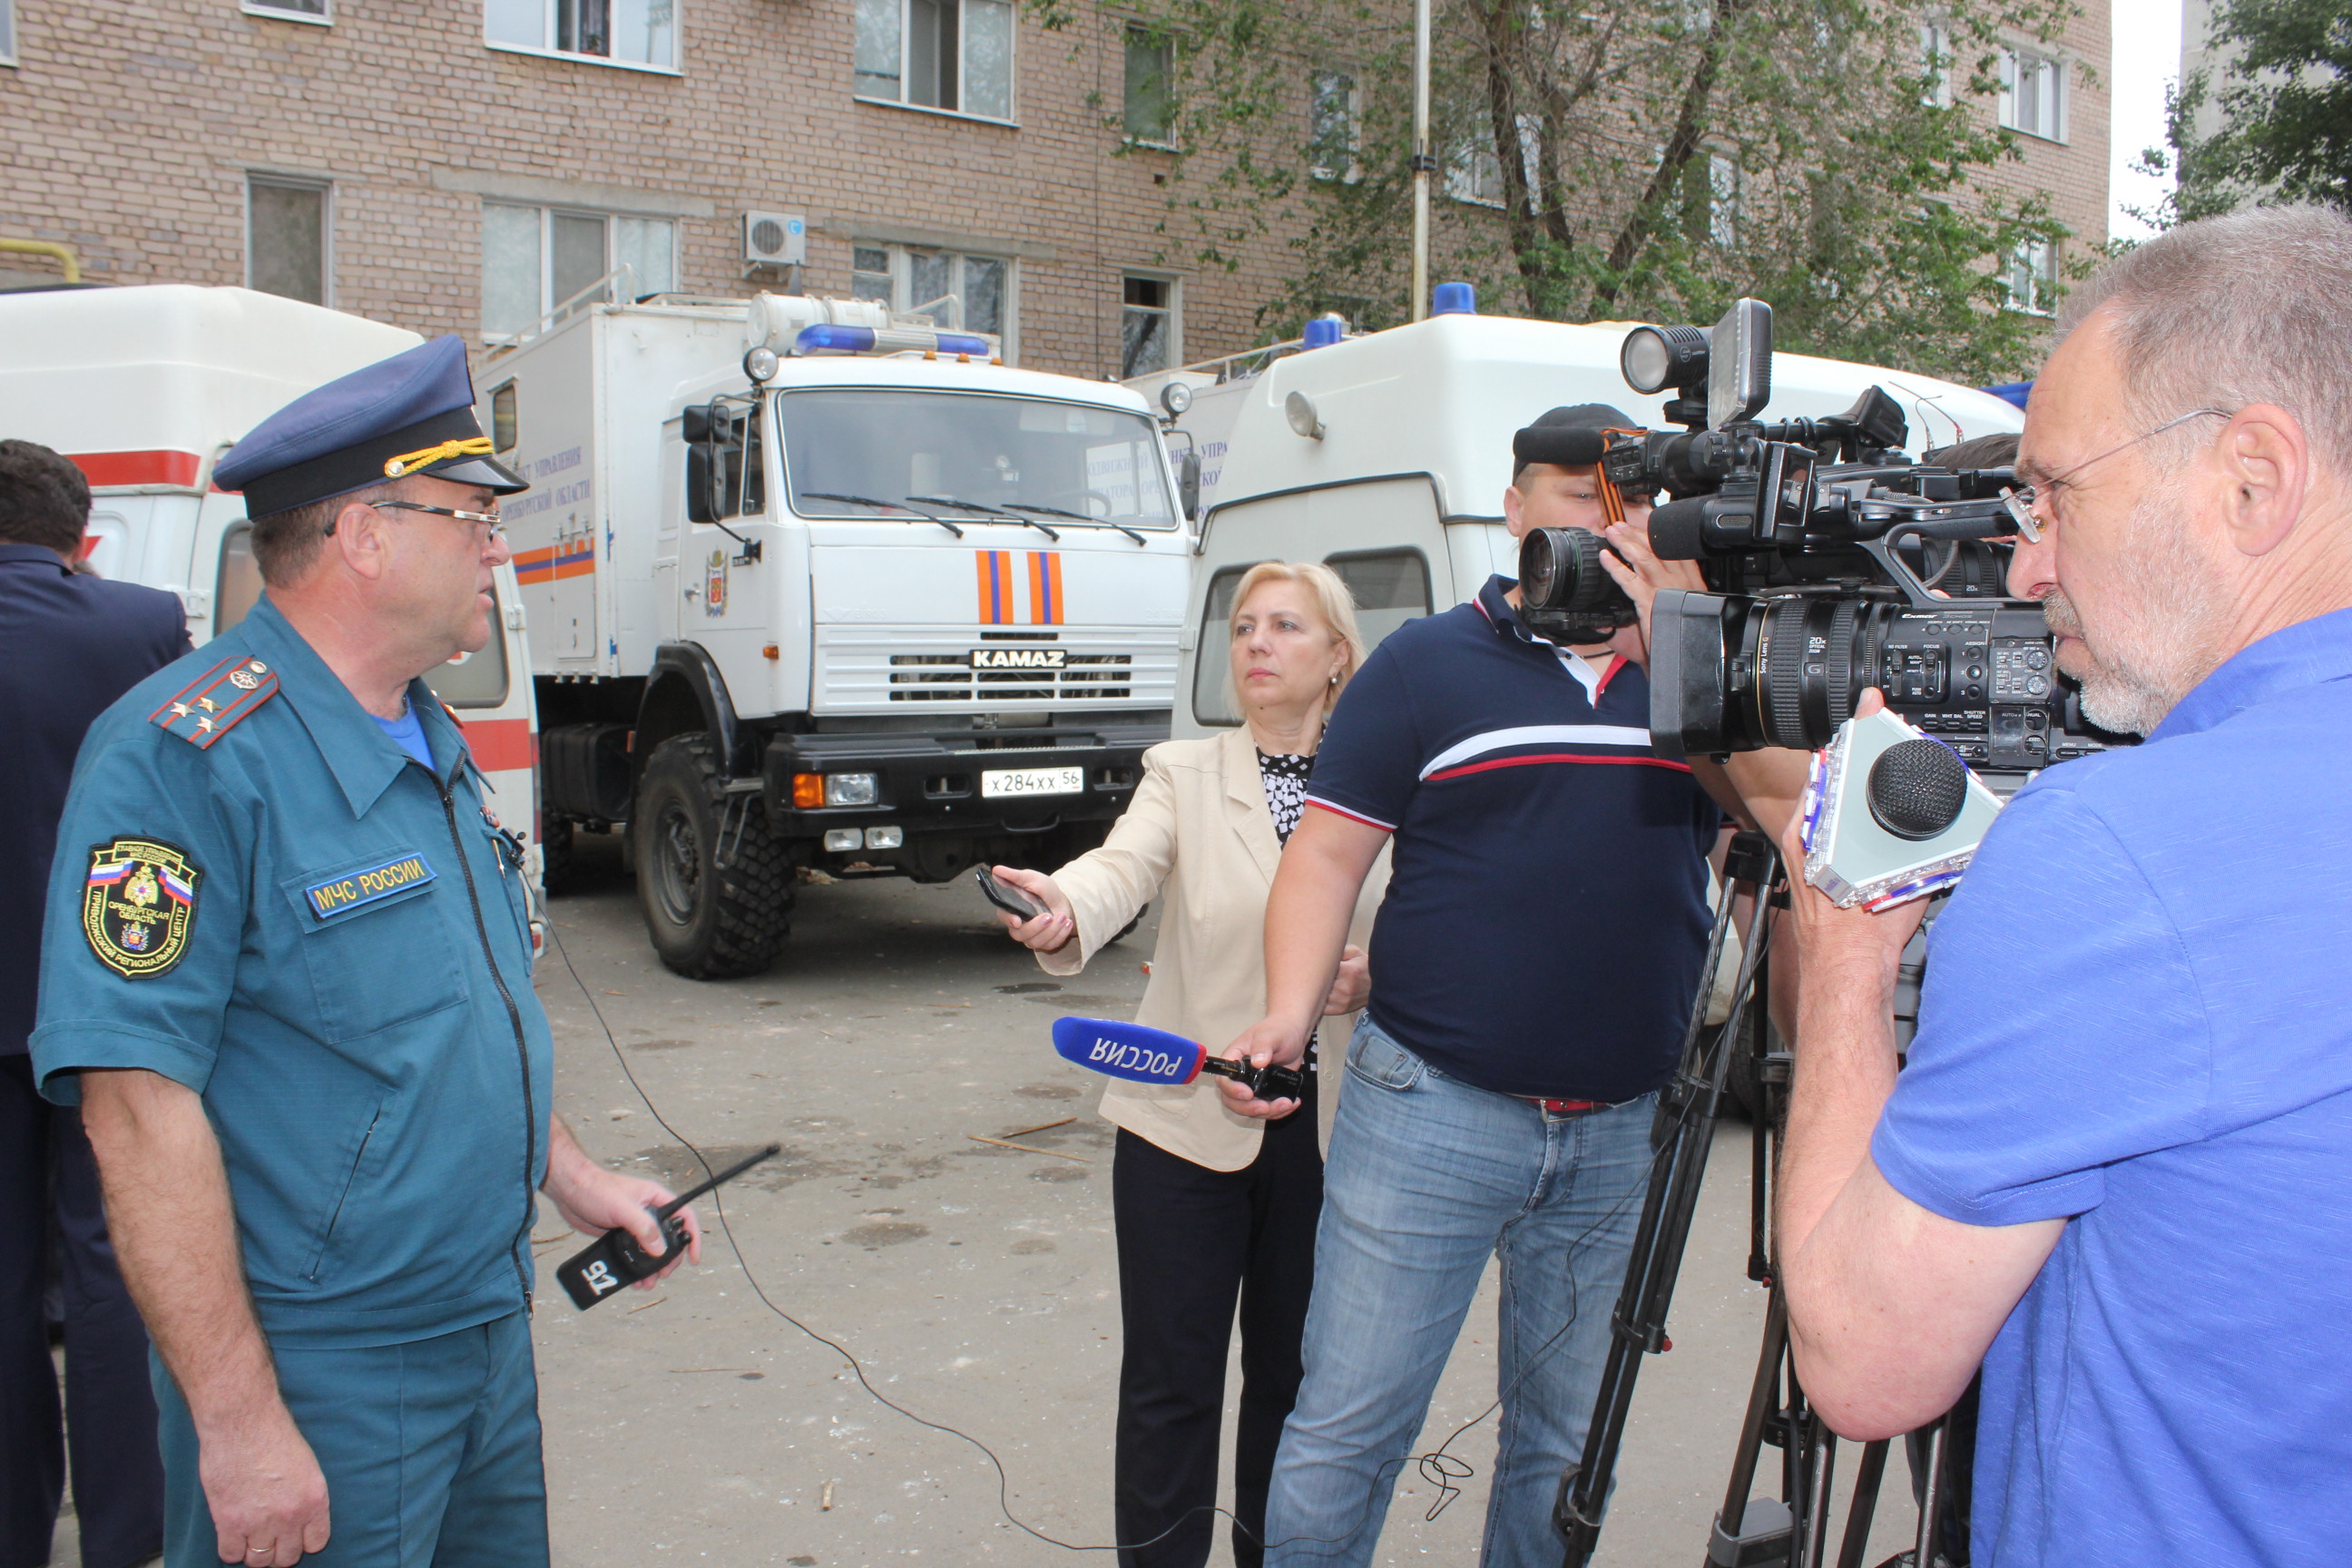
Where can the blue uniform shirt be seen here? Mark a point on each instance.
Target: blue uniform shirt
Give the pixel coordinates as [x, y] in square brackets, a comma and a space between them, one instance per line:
[326, 942]
[2136, 1019]
[1546, 917]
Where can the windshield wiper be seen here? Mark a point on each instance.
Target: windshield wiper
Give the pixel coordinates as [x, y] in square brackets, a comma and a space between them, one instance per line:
[962, 505]
[882, 506]
[1076, 517]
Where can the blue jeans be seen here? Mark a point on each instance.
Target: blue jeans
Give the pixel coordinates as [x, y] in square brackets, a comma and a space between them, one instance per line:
[1426, 1177]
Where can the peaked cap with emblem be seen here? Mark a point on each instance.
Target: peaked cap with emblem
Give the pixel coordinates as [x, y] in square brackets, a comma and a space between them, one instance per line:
[411, 414]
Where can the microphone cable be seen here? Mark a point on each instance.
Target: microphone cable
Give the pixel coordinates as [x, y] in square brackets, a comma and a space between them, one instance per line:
[1441, 1468]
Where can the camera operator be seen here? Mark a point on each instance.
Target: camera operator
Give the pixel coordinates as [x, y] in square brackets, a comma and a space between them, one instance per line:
[1533, 968]
[2118, 1164]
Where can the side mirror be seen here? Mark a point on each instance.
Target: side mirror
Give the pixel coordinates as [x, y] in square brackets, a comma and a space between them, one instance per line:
[1188, 483]
[714, 464]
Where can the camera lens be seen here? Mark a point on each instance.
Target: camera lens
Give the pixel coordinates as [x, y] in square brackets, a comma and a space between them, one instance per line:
[1560, 569]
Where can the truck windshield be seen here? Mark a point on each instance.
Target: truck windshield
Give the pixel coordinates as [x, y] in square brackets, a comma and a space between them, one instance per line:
[911, 456]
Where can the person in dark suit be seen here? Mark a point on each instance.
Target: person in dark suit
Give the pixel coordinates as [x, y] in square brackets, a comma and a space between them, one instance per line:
[70, 642]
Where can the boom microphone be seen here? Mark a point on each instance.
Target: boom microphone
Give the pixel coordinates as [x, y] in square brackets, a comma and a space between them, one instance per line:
[1141, 1054]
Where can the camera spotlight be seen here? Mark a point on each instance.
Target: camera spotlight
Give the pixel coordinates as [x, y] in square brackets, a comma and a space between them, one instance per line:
[1657, 358]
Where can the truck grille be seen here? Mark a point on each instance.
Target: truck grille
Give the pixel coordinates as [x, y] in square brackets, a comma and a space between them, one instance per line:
[878, 668]
[943, 677]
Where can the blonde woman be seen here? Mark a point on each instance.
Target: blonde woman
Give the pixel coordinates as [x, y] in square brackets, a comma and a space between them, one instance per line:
[1211, 1209]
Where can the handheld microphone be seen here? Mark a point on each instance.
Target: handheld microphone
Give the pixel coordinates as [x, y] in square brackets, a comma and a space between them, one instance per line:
[614, 1259]
[1141, 1054]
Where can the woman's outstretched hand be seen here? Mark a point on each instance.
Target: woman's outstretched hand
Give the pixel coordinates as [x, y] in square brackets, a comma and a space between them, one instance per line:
[1048, 932]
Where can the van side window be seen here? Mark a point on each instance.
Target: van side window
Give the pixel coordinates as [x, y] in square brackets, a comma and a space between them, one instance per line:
[237, 587]
[1213, 684]
[1391, 587]
[476, 679]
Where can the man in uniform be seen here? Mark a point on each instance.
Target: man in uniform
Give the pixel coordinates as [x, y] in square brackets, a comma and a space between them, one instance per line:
[287, 976]
[76, 642]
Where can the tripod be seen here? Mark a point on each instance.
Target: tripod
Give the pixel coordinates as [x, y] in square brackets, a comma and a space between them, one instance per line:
[1793, 1532]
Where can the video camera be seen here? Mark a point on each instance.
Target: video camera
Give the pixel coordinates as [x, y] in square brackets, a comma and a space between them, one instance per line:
[1833, 563]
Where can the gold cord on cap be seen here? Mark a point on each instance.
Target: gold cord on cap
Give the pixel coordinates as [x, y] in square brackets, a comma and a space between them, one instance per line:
[464, 447]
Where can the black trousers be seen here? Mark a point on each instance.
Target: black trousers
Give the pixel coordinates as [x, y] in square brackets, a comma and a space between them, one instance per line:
[1193, 1242]
[48, 1187]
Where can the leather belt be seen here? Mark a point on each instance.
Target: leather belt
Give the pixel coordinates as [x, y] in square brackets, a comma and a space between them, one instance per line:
[1568, 1107]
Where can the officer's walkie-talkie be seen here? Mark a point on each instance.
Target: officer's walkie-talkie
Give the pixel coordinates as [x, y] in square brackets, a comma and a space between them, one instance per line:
[614, 1259]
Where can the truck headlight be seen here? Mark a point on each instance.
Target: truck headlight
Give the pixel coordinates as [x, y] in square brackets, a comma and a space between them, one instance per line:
[839, 841]
[851, 789]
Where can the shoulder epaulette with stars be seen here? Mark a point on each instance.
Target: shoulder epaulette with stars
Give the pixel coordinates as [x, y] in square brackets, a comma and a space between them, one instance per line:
[216, 701]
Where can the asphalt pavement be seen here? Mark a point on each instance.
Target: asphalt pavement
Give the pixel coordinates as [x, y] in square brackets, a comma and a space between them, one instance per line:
[706, 1420]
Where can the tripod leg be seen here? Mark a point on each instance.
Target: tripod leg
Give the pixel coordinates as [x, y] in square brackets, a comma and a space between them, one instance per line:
[1685, 1133]
[1932, 1500]
[1858, 1512]
[1820, 1469]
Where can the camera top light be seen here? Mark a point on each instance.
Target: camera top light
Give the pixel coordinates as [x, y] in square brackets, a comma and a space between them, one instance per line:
[1656, 358]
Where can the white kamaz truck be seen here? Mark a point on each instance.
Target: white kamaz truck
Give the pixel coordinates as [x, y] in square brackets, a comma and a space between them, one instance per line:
[813, 586]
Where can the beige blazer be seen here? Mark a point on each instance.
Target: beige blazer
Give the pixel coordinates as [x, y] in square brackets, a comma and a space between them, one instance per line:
[1199, 838]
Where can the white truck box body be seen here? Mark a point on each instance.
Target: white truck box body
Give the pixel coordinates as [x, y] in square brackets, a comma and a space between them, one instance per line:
[611, 569]
[146, 388]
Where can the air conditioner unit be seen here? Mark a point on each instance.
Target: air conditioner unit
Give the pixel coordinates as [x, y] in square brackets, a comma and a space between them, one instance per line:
[775, 239]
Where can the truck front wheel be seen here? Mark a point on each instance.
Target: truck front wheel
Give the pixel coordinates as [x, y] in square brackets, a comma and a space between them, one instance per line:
[714, 883]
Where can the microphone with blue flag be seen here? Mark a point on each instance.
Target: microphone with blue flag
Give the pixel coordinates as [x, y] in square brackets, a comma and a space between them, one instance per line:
[1140, 1054]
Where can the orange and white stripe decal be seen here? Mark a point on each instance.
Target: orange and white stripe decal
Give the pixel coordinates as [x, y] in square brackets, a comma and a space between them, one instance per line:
[1003, 587]
[1045, 588]
[573, 558]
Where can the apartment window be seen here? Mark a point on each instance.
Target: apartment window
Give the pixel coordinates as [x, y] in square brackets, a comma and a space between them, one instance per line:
[1935, 61]
[537, 258]
[290, 10]
[2033, 94]
[1474, 173]
[2031, 278]
[620, 32]
[285, 233]
[7, 32]
[1146, 326]
[1723, 183]
[1150, 115]
[953, 55]
[961, 292]
[1332, 126]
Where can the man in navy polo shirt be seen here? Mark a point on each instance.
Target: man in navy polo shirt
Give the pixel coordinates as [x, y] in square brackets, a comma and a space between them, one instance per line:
[2121, 1155]
[1534, 967]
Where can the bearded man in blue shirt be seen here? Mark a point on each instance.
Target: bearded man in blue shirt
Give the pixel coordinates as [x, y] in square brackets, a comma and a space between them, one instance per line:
[2118, 1167]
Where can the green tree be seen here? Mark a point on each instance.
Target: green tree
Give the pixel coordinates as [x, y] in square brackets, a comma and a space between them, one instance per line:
[1647, 159]
[2282, 102]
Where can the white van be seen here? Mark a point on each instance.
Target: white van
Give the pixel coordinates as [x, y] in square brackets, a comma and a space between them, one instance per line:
[146, 388]
[1386, 456]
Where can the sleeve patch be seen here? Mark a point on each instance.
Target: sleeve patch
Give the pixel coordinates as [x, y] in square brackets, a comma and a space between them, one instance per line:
[138, 905]
[216, 701]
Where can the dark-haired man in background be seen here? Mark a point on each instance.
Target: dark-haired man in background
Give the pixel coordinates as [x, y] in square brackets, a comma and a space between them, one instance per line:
[74, 643]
